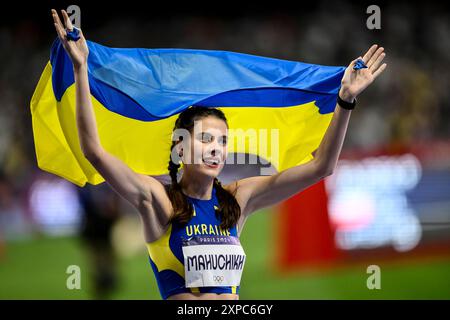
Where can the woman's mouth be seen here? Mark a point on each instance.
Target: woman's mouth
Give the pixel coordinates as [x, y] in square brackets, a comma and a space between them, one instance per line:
[211, 162]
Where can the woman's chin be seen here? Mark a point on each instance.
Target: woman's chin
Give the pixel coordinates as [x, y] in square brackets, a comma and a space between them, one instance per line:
[205, 170]
[211, 171]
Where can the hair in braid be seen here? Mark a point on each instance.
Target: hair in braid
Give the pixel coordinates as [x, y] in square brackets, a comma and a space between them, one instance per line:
[229, 209]
[179, 202]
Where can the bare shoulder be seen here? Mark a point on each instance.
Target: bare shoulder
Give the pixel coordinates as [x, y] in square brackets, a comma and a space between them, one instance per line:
[155, 190]
[235, 188]
[156, 209]
[245, 189]
[242, 191]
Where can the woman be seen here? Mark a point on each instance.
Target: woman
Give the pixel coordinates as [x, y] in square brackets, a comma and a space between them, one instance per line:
[197, 209]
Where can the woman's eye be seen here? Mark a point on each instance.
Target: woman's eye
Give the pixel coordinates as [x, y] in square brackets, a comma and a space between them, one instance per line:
[223, 141]
[206, 138]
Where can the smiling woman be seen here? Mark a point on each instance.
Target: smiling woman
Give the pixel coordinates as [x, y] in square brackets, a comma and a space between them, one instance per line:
[203, 226]
[198, 203]
[203, 153]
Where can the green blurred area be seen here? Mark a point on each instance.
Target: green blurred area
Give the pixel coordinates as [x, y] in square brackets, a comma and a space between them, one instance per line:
[37, 270]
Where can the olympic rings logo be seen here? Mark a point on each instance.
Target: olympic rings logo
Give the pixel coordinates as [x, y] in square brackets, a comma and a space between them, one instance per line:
[218, 279]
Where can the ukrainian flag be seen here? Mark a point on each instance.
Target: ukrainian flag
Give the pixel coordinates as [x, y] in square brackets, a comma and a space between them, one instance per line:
[137, 94]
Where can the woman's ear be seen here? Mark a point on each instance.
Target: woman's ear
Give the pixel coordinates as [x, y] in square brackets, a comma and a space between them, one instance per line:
[177, 153]
[179, 149]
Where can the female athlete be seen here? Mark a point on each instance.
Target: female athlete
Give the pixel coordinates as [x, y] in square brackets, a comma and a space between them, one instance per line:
[192, 226]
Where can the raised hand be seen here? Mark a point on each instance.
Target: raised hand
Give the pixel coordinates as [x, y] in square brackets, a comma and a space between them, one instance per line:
[77, 50]
[355, 81]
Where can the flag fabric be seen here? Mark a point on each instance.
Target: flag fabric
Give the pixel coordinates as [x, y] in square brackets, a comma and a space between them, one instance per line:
[137, 94]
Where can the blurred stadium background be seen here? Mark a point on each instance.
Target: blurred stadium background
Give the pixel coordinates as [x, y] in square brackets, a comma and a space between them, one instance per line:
[387, 204]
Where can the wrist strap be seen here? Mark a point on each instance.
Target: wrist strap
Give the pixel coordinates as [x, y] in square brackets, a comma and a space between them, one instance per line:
[346, 105]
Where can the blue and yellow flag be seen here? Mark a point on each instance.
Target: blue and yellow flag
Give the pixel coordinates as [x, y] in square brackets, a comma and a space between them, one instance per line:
[137, 94]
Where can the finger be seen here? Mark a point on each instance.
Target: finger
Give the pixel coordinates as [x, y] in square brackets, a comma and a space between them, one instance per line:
[369, 53]
[351, 65]
[377, 63]
[62, 36]
[375, 56]
[59, 32]
[379, 71]
[81, 34]
[350, 69]
[66, 18]
[56, 18]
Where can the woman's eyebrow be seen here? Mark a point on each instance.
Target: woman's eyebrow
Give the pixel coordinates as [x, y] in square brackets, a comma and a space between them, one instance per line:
[204, 133]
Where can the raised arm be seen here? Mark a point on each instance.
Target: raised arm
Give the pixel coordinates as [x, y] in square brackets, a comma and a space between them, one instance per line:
[143, 192]
[257, 192]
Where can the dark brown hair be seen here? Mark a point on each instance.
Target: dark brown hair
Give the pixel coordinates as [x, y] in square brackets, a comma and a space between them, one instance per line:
[229, 209]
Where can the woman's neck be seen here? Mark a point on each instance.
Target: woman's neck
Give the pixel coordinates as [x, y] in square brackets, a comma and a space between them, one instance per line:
[196, 188]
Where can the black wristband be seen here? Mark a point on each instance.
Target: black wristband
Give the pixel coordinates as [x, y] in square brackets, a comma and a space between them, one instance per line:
[346, 105]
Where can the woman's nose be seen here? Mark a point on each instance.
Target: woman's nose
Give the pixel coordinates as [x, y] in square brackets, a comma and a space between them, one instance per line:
[215, 151]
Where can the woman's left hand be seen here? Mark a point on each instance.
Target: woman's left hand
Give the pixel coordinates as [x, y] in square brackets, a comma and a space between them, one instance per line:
[355, 81]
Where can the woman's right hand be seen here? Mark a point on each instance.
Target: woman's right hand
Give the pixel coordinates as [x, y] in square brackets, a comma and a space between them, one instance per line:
[77, 50]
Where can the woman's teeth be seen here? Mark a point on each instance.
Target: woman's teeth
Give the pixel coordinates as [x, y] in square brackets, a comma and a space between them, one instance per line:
[212, 162]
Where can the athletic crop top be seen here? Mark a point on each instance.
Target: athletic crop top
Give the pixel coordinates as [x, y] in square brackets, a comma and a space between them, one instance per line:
[166, 254]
